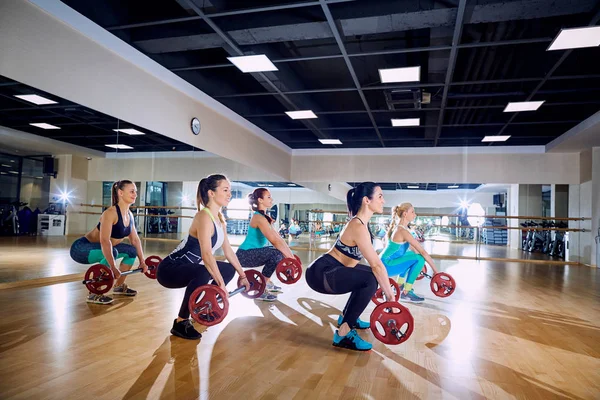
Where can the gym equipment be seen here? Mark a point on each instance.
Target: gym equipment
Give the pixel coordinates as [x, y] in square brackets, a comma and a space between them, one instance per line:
[209, 305]
[379, 296]
[289, 270]
[392, 323]
[442, 284]
[99, 279]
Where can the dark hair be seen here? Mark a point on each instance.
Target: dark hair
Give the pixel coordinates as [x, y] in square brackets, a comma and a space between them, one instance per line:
[253, 201]
[118, 185]
[355, 195]
[354, 199]
[211, 182]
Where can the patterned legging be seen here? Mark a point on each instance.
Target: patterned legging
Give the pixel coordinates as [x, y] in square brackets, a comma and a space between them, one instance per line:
[267, 256]
[409, 266]
[85, 252]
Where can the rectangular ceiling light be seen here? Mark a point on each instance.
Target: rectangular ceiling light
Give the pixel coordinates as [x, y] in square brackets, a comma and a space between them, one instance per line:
[7, 166]
[408, 74]
[44, 125]
[453, 187]
[302, 114]
[35, 99]
[576, 38]
[406, 122]
[129, 131]
[412, 186]
[500, 138]
[523, 106]
[119, 146]
[258, 63]
[330, 141]
[291, 184]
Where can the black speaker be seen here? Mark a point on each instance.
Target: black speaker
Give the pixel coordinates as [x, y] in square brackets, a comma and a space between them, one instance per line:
[49, 166]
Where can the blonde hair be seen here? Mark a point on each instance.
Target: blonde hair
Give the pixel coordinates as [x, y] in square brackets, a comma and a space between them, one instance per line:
[397, 213]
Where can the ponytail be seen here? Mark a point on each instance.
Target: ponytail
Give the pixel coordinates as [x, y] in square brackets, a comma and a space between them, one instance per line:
[118, 185]
[253, 201]
[211, 182]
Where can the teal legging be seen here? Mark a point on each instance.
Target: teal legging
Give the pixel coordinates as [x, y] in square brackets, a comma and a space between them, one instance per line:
[409, 265]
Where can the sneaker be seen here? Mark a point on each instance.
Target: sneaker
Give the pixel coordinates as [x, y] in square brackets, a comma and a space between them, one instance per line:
[351, 341]
[271, 287]
[124, 290]
[98, 299]
[184, 329]
[266, 296]
[359, 324]
[411, 297]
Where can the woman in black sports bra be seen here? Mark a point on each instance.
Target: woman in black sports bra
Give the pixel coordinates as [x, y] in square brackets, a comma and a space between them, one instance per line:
[103, 243]
[339, 271]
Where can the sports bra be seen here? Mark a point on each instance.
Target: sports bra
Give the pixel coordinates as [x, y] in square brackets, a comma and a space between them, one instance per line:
[349, 251]
[119, 230]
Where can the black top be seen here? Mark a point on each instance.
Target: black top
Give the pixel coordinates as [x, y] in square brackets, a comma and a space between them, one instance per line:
[119, 230]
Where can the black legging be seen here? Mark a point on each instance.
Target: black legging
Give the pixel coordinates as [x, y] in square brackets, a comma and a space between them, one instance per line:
[327, 275]
[173, 275]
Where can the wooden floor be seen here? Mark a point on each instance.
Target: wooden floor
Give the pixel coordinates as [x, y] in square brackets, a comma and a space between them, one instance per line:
[509, 331]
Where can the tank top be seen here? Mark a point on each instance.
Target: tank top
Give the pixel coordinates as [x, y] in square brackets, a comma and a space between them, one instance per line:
[349, 251]
[189, 250]
[254, 239]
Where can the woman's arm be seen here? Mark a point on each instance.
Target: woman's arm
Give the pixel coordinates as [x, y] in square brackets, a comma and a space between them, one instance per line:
[135, 241]
[107, 220]
[233, 260]
[363, 241]
[267, 229]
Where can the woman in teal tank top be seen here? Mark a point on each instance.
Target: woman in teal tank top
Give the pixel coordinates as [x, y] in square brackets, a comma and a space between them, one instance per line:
[263, 245]
[398, 259]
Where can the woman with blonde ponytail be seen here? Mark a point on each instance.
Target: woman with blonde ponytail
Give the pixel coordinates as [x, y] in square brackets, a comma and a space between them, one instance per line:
[398, 259]
[103, 244]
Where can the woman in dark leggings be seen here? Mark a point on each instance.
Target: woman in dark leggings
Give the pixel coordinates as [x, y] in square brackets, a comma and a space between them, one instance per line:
[338, 271]
[192, 264]
[263, 246]
[103, 243]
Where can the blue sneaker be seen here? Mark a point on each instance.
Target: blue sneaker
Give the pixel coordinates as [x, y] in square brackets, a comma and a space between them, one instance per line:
[359, 324]
[411, 297]
[351, 341]
[272, 288]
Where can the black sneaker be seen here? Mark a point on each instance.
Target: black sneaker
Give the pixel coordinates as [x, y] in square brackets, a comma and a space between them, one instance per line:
[184, 329]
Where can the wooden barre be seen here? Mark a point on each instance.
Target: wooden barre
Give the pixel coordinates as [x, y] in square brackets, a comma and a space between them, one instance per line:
[476, 216]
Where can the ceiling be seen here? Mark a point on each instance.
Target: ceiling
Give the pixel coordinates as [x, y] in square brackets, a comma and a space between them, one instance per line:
[78, 125]
[423, 186]
[475, 57]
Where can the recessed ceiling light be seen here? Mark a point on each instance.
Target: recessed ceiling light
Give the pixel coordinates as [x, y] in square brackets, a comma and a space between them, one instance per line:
[6, 165]
[500, 138]
[35, 99]
[291, 184]
[3, 173]
[129, 131]
[13, 172]
[119, 146]
[406, 122]
[258, 63]
[576, 38]
[412, 186]
[408, 74]
[453, 187]
[44, 125]
[302, 114]
[330, 141]
[523, 106]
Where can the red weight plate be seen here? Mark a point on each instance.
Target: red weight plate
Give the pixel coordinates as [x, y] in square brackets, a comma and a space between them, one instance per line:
[152, 263]
[289, 270]
[99, 271]
[392, 323]
[378, 297]
[208, 305]
[258, 284]
[442, 284]
[423, 271]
